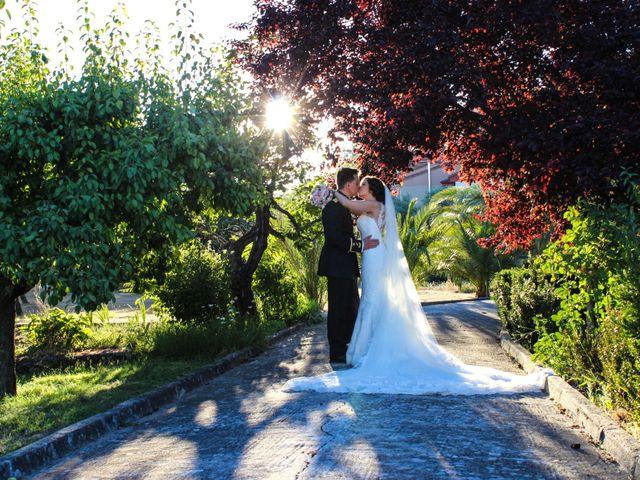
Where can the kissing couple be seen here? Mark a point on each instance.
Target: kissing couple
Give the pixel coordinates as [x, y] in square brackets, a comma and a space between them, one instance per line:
[384, 336]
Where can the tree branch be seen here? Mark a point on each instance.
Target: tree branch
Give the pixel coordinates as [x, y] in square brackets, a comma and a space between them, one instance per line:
[297, 227]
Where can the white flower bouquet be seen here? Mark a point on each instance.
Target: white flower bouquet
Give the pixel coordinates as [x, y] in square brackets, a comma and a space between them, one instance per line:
[321, 195]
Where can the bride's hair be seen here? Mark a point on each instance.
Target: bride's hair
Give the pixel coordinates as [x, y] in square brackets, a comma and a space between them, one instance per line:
[376, 187]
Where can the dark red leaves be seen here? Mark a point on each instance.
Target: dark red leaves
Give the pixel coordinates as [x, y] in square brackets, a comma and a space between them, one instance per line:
[538, 101]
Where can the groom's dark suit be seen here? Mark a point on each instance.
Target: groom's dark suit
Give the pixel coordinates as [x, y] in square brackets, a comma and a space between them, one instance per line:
[339, 263]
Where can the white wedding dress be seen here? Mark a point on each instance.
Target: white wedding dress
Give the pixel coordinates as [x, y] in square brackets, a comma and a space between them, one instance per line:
[392, 349]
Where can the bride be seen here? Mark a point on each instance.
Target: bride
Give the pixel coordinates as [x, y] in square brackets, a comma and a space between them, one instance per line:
[393, 349]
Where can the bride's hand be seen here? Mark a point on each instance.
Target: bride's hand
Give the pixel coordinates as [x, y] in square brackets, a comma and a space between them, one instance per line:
[357, 206]
[369, 242]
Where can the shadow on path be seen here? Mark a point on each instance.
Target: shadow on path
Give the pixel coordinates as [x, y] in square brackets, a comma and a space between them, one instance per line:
[242, 425]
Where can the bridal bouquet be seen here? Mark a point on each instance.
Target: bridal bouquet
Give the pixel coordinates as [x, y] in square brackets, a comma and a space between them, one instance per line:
[321, 195]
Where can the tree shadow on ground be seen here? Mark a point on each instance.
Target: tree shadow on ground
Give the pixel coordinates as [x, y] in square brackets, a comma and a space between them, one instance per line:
[477, 315]
[243, 426]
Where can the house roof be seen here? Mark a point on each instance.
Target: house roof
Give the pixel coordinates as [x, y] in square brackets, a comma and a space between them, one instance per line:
[421, 166]
[451, 180]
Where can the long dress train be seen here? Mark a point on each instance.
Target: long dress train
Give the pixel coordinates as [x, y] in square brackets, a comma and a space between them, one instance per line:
[392, 349]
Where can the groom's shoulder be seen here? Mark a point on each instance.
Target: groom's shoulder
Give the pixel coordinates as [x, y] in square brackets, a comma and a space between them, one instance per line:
[331, 210]
[332, 204]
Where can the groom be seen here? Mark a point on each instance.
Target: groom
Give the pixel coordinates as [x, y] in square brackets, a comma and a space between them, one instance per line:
[339, 263]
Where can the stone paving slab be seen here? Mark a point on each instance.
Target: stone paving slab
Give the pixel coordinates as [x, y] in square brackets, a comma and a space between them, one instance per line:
[241, 426]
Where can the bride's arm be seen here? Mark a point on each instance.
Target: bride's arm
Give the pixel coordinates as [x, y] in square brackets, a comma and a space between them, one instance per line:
[357, 206]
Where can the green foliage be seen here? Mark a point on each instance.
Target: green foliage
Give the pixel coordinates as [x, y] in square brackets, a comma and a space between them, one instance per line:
[597, 274]
[417, 234]
[276, 289]
[456, 250]
[522, 294]
[134, 336]
[468, 260]
[578, 304]
[306, 216]
[58, 331]
[207, 340]
[401, 203]
[300, 241]
[303, 266]
[217, 229]
[197, 286]
[100, 168]
[500, 290]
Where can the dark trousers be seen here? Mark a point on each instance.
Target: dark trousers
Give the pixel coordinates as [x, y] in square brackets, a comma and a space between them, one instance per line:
[343, 310]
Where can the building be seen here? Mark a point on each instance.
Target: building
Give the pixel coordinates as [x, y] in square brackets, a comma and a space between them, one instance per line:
[427, 178]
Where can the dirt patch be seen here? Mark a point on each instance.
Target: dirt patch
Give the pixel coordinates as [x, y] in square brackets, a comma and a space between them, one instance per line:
[429, 295]
[39, 362]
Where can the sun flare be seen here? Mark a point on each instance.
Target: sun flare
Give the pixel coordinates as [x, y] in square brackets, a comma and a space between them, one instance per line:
[279, 114]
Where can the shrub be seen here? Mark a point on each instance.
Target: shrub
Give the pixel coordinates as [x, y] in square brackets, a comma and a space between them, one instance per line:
[197, 287]
[523, 294]
[207, 339]
[309, 311]
[500, 291]
[619, 355]
[58, 331]
[302, 264]
[276, 290]
[596, 342]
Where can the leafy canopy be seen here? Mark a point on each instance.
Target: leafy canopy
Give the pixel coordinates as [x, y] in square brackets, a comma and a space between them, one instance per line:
[99, 168]
[536, 101]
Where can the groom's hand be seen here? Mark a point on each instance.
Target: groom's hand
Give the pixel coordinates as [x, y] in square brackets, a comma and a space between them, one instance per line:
[369, 242]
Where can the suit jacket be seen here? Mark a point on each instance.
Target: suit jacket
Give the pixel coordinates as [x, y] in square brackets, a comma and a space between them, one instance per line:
[338, 256]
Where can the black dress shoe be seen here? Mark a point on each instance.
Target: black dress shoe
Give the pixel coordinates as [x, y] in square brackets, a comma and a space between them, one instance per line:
[338, 359]
[336, 367]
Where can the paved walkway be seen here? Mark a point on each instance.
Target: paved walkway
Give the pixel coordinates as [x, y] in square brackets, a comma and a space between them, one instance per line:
[242, 426]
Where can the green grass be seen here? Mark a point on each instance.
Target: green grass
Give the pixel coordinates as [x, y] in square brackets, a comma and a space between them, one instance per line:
[51, 401]
[162, 351]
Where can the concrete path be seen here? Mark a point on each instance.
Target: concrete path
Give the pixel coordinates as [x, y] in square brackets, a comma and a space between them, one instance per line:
[242, 426]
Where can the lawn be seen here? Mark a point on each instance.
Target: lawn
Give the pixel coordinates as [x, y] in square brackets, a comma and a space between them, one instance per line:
[48, 402]
[161, 352]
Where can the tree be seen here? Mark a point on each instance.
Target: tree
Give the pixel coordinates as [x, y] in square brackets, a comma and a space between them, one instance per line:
[102, 168]
[536, 101]
[457, 216]
[246, 251]
[417, 233]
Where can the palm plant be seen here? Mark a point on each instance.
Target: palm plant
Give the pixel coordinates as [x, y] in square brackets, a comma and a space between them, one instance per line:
[468, 260]
[417, 233]
[457, 213]
[304, 265]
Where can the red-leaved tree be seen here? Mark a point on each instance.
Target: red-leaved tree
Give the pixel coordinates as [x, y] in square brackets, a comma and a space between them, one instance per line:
[538, 101]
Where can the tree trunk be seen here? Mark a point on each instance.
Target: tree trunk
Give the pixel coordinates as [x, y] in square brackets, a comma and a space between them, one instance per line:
[243, 270]
[241, 287]
[482, 290]
[9, 293]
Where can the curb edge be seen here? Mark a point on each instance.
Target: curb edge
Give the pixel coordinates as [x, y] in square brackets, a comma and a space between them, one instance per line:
[52, 447]
[606, 433]
[427, 303]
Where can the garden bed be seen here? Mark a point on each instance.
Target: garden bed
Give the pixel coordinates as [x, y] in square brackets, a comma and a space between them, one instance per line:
[40, 362]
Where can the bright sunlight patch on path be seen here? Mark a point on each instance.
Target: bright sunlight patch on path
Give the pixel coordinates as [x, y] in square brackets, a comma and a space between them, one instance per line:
[241, 425]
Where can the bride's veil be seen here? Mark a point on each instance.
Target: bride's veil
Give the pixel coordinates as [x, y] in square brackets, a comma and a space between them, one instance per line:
[396, 349]
[404, 300]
